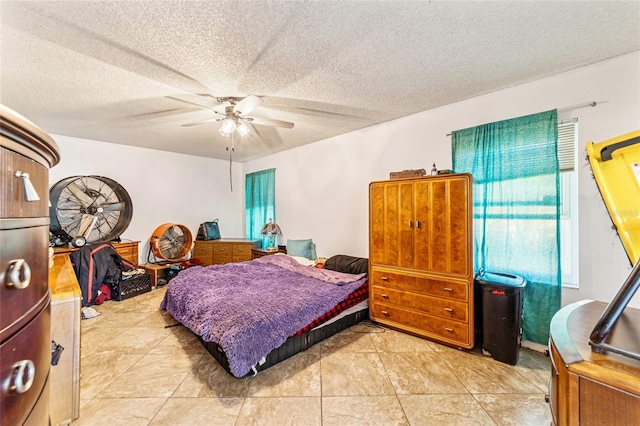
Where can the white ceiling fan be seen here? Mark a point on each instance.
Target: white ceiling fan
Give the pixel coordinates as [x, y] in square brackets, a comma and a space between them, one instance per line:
[235, 117]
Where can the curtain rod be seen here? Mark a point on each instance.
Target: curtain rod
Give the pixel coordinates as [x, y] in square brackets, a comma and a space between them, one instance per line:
[588, 104]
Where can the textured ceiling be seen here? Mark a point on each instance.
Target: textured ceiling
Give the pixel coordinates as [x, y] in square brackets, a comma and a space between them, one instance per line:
[103, 69]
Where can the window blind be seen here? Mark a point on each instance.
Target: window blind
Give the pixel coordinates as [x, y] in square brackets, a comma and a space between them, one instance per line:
[566, 145]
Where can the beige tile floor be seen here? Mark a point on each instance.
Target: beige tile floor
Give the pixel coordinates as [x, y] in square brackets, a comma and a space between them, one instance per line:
[134, 371]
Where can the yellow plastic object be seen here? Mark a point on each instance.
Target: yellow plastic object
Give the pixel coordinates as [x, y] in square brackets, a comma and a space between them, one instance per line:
[616, 168]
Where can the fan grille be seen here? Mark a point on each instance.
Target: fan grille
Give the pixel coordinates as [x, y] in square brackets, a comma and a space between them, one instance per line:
[171, 241]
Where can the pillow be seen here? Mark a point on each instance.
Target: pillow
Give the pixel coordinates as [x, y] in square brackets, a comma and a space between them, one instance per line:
[347, 264]
[304, 261]
[302, 248]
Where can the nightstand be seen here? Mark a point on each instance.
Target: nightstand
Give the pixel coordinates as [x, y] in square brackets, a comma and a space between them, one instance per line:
[156, 272]
[259, 252]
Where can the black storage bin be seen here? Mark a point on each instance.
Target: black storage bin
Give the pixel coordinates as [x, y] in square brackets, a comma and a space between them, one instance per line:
[125, 289]
[502, 309]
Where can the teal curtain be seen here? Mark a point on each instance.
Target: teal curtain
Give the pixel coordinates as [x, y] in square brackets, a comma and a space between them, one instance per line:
[516, 207]
[260, 201]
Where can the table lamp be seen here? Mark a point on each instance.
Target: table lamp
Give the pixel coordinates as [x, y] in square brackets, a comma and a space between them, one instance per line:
[271, 229]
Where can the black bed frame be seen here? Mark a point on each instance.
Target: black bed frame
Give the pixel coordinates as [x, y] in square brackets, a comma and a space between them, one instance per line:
[293, 344]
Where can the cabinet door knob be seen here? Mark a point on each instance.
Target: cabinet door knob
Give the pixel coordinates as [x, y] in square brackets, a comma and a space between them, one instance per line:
[23, 374]
[386, 296]
[410, 224]
[449, 329]
[385, 313]
[19, 274]
[448, 309]
[384, 278]
[417, 224]
[448, 289]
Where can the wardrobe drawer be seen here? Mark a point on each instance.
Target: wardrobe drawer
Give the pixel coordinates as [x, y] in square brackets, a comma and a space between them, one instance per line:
[12, 188]
[24, 263]
[25, 368]
[420, 323]
[433, 286]
[444, 308]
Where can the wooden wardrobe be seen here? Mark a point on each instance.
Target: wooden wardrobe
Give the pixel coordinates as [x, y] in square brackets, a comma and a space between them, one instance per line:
[421, 257]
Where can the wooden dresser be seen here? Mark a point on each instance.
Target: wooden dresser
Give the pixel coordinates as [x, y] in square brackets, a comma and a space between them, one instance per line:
[26, 154]
[421, 257]
[226, 250]
[127, 250]
[588, 388]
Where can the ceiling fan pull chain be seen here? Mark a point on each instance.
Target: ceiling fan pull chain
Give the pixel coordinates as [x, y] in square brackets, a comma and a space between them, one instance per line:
[230, 151]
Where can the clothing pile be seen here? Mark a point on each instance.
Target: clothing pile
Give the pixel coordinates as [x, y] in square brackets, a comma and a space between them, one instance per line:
[98, 267]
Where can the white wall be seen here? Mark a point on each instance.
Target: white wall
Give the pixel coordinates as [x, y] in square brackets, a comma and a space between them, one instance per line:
[164, 187]
[322, 188]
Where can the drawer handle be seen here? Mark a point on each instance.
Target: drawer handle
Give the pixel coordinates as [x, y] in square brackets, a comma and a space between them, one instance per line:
[450, 330]
[385, 313]
[17, 269]
[386, 296]
[384, 278]
[448, 289]
[22, 370]
[448, 309]
[30, 193]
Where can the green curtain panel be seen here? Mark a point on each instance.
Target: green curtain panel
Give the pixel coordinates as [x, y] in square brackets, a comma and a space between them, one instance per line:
[260, 201]
[516, 207]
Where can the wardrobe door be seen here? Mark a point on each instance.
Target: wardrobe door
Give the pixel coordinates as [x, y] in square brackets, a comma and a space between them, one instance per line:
[391, 224]
[422, 227]
[442, 233]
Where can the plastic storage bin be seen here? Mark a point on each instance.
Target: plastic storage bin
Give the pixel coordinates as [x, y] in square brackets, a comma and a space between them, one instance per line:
[502, 311]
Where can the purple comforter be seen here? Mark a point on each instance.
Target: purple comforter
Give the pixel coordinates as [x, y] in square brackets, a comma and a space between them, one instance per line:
[251, 308]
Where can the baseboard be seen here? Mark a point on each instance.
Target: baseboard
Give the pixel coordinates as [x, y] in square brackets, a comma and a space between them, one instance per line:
[534, 346]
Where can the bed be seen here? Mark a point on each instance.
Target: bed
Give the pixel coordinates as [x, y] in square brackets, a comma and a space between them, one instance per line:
[252, 315]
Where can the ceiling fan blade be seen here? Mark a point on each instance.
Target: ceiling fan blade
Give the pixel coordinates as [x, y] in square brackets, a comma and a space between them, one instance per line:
[203, 102]
[247, 105]
[195, 123]
[269, 122]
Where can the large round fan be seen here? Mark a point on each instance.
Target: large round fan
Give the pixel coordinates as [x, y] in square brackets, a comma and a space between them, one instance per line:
[171, 242]
[89, 209]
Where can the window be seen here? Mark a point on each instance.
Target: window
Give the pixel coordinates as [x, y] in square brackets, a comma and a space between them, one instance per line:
[260, 201]
[516, 195]
[567, 141]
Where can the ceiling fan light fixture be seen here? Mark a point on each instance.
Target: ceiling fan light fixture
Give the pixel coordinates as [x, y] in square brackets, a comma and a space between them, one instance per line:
[228, 127]
[243, 129]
